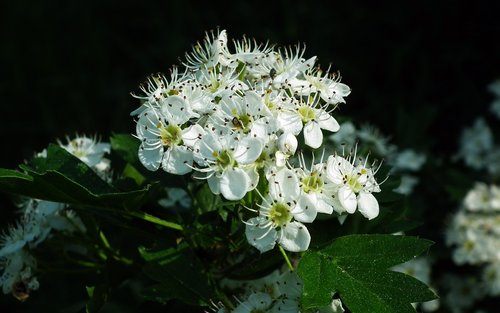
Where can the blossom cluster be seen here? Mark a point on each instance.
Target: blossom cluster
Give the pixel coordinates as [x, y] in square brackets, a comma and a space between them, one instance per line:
[475, 233]
[236, 117]
[39, 218]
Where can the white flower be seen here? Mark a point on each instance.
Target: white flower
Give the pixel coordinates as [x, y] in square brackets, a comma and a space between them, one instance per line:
[483, 198]
[176, 196]
[165, 139]
[280, 217]
[223, 159]
[89, 150]
[407, 184]
[278, 68]
[346, 135]
[17, 270]
[210, 53]
[327, 86]
[245, 115]
[256, 302]
[157, 88]
[408, 160]
[476, 142]
[317, 191]
[491, 276]
[310, 117]
[356, 183]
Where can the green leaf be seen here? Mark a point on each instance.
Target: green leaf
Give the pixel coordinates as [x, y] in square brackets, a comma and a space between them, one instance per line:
[356, 268]
[127, 147]
[180, 275]
[61, 177]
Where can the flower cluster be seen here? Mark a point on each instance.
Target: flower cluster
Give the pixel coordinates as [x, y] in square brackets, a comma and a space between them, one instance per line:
[236, 118]
[475, 233]
[39, 218]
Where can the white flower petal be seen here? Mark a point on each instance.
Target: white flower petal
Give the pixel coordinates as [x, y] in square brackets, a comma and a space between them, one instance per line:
[192, 134]
[327, 122]
[262, 238]
[320, 203]
[248, 150]
[150, 156]
[304, 211]
[347, 199]
[313, 137]
[284, 184]
[287, 143]
[255, 105]
[290, 122]
[214, 184]
[177, 110]
[176, 160]
[234, 183]
[368, 205]
[294, 237]
[253, 175]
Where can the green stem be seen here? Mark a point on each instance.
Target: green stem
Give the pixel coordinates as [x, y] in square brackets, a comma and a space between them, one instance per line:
[287, 260]
[155, 220]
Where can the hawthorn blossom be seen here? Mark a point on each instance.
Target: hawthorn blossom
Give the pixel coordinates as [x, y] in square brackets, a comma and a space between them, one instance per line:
[356, 183]
[166, 139]
[309, 116]
[225, 160]
[280, 216]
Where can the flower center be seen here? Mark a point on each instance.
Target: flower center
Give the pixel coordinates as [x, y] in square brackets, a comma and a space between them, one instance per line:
[242, 122]
[312, 183]
[306, 113]
[352, 181]
[279, 214]
[267, 101]
[170, 135]
[224, 159]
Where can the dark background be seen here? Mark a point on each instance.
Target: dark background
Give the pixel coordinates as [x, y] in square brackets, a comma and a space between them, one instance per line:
[68, 67]
[418, 69]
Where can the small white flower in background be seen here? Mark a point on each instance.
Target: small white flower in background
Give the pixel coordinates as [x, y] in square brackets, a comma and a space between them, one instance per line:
[371, 136]
[89, 150]
[276, 292]
[356, 183]
[476, 143]
[38, 219]
[494, 88]
[346, 135]
[17, 274]
[408, 159]
[491, 277]
[483, 198]
[462, 292]
[407, 184]
[176, 197]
